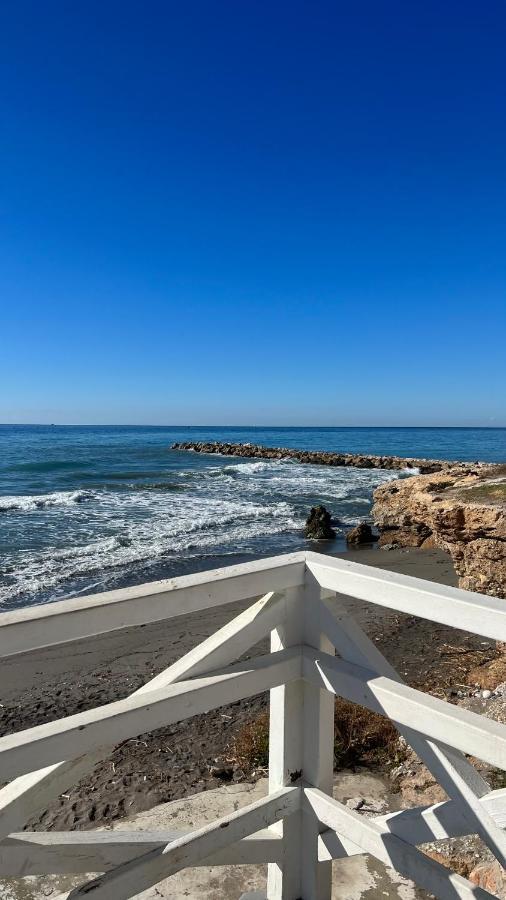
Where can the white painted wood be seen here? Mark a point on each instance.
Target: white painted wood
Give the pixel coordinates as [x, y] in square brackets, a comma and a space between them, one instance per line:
[301, 744]
[450, 768]
[70, 620]
[87, 731]
[355, 830]
[318, 748]
[466, 610]
[353, 645]
[438, 720]
[230, 642]
[30, 793]
[81, 852]
[302, 681]
[147, 870]
[286, 753]
[25, 796]
[422, 824]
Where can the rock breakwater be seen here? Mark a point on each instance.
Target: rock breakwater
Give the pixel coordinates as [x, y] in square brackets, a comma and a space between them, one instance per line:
[316, 457]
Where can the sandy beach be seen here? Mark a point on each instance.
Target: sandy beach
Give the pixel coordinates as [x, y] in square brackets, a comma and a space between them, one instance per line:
[175, 761]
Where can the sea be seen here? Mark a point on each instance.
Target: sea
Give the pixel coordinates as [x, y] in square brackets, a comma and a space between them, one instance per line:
[88, 509]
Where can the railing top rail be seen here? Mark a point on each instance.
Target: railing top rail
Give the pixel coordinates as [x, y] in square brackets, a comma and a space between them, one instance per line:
[69, 620]
[469, 611]
[34, 627]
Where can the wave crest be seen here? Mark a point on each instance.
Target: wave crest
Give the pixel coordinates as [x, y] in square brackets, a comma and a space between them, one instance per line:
[43, 501]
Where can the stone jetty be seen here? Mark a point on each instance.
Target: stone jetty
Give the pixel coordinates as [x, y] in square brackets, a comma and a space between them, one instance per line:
[317, 457]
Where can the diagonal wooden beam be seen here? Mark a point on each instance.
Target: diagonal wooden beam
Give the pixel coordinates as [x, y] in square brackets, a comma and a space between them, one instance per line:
[431, 717]
[230, 642]
[470, 732]
[28, 794]
[450, 768]
[353, 830]
[88, 731]
[440, 821]
[141, 873]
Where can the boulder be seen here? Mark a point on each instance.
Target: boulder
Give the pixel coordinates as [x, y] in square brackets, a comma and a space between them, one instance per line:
[361, 534]
[318, 524]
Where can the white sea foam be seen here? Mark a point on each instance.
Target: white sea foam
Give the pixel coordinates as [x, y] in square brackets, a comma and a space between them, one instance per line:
[212, 509]
[261, 465]
[144, 532]
[43, 501]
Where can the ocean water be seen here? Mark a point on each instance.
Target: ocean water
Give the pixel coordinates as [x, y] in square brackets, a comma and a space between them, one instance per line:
[85, 509]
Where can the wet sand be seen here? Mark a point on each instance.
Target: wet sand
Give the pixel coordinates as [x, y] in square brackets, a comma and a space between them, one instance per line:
[177, 760]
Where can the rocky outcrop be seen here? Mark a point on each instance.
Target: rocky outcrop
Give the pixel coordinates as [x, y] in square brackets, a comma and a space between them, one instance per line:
[458, 507]
[462, 511]
[361, 534]
[319, 525]
[316, 457]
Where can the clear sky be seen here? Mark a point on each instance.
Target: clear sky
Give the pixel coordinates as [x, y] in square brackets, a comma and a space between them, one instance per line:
[253, 212]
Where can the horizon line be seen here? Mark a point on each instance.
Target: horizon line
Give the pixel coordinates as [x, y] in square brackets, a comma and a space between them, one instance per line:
[231, 425]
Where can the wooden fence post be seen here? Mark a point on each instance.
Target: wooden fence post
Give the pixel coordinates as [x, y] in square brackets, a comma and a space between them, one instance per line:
[286, 752]
[318, 750]
[301, 745]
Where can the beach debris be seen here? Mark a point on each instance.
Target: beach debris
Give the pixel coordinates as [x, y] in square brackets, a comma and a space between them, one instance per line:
[318, 524]
[361, 534]
[367, 806]
[226, 773]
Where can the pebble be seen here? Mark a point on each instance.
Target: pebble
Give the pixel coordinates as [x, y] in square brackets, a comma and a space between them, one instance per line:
[355, 802]
[486, 694]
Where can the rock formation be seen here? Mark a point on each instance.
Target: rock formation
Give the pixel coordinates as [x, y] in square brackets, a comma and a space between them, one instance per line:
[361, 534]
[462, 511]
[318, 524]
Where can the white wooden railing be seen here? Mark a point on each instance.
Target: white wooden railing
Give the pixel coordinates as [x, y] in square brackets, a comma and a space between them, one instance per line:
[298, 829]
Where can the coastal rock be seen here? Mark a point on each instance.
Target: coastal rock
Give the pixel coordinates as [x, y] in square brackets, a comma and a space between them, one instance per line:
[491, 877]
[361, 534]
[318, 524]
[462, 511]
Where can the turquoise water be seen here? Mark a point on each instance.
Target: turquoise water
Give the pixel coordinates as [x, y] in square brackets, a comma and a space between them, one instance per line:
[92, 508]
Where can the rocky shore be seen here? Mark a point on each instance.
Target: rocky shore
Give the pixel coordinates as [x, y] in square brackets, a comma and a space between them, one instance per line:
[453, 506]
[316, 457]
[462, 511]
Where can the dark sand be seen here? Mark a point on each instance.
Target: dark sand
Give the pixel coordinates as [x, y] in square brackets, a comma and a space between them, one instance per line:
[175, 761]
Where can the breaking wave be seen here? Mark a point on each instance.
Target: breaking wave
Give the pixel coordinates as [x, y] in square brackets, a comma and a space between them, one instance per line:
[43, 501]
[137, 524]
[181, 527]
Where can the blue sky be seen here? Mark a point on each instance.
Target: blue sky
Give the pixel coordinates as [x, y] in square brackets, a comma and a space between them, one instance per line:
[253, 213]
